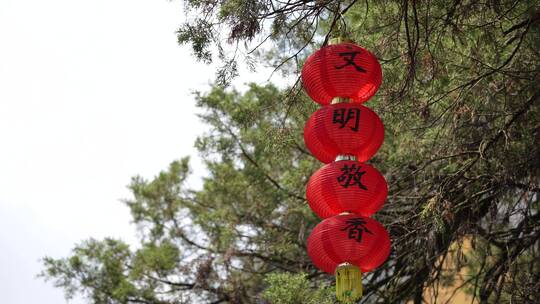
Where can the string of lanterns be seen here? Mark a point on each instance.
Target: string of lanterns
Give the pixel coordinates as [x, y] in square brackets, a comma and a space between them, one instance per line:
[346, 191]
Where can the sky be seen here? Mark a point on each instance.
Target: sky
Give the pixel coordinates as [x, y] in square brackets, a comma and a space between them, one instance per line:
[91, 94]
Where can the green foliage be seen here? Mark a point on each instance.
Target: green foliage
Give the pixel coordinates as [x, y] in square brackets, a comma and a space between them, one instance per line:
[98, 268]
[157, 202]
[460, 104]
[200, 37]
[161, 259]
[286, 288]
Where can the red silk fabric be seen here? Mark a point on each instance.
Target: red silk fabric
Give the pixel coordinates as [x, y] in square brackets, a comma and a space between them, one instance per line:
[335, 240]
[341, 70]
[346, 186]
[343, 128]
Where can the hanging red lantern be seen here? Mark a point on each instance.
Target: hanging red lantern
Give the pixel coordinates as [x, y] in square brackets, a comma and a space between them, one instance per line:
[343, 129]
[346, 186]
[348, 238]
[341, 70]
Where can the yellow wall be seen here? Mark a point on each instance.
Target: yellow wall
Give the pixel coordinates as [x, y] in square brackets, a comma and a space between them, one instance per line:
[447, 294]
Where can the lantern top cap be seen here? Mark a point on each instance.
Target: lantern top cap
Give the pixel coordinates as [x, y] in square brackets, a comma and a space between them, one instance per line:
[340, 100]
[338, 40]
[340, 157]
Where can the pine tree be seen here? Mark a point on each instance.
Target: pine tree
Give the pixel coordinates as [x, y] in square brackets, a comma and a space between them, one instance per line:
[460, 102]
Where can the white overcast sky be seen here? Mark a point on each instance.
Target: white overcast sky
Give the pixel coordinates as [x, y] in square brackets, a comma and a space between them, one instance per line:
[91, 94]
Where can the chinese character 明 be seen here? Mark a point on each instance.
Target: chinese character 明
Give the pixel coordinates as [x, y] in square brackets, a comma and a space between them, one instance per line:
[351, 176]
[348, 57]
[356, 227]
[342, 119]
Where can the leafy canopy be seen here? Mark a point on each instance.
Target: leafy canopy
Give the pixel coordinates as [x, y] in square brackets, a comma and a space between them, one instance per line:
[460, 103]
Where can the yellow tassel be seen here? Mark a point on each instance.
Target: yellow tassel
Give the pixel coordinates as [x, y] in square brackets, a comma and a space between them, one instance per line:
[348, 283]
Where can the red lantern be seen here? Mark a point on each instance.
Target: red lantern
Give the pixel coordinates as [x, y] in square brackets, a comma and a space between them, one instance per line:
[341, 70]
[343, 128]
[346, 186]
[349, 238]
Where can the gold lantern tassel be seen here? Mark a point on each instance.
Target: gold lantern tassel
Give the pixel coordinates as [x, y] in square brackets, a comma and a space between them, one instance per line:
[348, 283]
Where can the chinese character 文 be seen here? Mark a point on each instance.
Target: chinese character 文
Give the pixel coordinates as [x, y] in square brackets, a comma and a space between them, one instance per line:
[348, 57]
[356, 227]
[351, 176]
[343, 116]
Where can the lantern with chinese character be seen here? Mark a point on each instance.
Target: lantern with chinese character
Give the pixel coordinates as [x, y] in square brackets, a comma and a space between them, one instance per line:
[341, 70]
[347, 245]
[344, 134]
[343, 129]
[346, 186]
